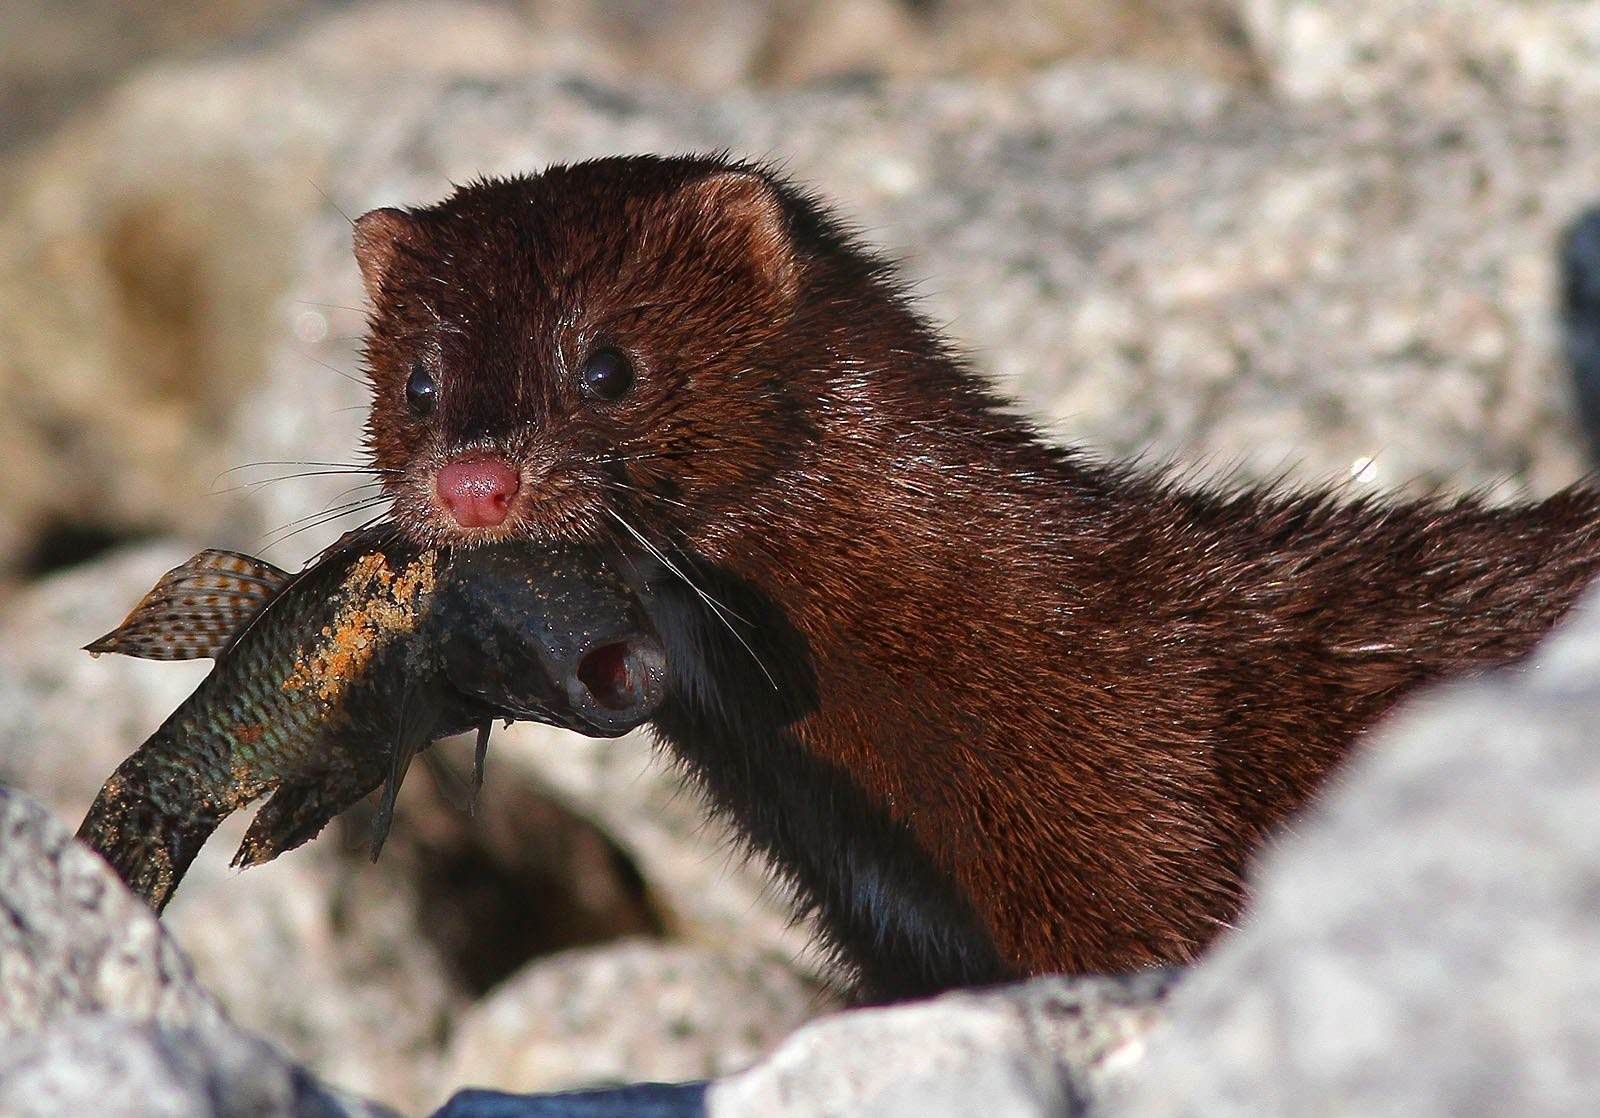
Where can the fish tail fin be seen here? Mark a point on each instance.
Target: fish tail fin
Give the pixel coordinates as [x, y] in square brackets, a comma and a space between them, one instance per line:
[149, 848]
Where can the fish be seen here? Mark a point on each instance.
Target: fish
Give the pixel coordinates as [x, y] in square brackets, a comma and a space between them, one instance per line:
[327, 683]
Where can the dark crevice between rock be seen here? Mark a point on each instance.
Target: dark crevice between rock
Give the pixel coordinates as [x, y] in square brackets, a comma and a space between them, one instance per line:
[65, 543]
[523, 877]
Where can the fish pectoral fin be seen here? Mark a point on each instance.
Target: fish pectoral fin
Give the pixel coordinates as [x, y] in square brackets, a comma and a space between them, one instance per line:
[414, 730]
[480, 753]
[196, 608]
[294, 815]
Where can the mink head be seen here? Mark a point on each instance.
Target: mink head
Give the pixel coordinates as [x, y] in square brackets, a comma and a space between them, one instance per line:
[549, 353]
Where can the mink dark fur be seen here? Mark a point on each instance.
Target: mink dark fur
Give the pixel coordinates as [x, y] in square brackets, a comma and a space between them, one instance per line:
[992, 707]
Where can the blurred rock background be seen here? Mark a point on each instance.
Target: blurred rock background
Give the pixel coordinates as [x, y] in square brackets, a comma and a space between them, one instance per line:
[1248, 236]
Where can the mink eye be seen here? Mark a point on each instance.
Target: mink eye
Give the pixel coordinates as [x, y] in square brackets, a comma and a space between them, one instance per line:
[421, 392]
[606, 375]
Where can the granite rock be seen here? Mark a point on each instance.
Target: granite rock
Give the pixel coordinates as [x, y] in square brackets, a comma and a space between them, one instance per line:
[100, 1011]
[58, 55]
[1427, 941]
[1042, 1049]
[74, 942]
[631, 1010]
[96, 1065]
[1527, 50]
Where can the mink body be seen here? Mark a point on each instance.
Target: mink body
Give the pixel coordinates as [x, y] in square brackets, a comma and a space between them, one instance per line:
[991, 706]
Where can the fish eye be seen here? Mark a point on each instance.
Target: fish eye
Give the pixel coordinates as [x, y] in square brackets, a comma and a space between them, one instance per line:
[607, 374]
[421, 391]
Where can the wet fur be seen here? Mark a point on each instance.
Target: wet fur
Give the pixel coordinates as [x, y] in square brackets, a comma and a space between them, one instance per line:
[992, 706]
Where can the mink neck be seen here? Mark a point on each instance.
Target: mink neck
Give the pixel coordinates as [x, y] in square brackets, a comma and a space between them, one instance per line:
[768, 672]
[741, 680]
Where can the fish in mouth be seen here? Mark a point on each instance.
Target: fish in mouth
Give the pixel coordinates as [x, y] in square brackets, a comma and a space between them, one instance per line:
[328, 683]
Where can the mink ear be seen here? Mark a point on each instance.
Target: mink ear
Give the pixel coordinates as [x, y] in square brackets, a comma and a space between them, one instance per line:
[746, 212]
[378, 237]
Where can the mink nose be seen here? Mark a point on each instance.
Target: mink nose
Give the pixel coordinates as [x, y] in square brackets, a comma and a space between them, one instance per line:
[477, 491]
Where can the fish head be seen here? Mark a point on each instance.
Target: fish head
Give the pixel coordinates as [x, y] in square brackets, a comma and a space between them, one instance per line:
[549, 633]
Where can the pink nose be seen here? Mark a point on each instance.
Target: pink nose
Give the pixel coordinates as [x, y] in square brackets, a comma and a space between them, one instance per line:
[477, 491]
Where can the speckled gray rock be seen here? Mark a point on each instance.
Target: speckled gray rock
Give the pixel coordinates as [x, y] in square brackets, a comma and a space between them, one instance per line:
[1150, 261]
[58, 54]
[66, 718]
[1043, 1049]
[632, 1010]
[1428, 941]
[97, 1065]
[100, 1011]
[1366, 49]
[73, 941]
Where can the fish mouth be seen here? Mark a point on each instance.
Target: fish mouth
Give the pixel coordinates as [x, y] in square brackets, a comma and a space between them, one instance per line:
[552, 634]
[618, 683]
[615, 685]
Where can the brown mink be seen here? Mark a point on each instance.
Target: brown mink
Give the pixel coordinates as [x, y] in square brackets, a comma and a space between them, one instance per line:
[991, 707]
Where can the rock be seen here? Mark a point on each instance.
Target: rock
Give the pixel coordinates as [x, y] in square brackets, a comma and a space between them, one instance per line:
[57, 56]
[1152, 261]
[1427, 941]
[633, 1010]
[519, 876]
[100, 1010]
[321, 953]
[54, 56]
[708, 891]
[96, 1065]
[1044, 1048]
[66, 718]
[73, 941]
[1370, 49]
[812, 42]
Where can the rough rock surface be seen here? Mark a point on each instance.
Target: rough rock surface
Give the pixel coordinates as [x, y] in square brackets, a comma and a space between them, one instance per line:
[633, 1010]
[1428, 941]
[58, 54]
[93, 1065]
[1043, 1049]
[74, 942]
[1431, 52]
[100, 1011]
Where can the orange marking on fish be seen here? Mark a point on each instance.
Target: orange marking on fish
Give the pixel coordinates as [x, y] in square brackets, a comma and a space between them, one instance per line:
[380, 604]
